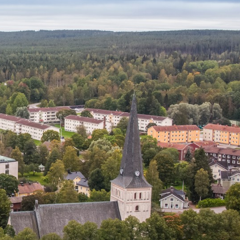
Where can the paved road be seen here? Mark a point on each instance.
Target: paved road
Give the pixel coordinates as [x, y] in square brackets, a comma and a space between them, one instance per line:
[216, 210]
[34, 105]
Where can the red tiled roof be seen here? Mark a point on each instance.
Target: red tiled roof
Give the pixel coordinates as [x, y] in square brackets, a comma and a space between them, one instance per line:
[125, 114]
[29, 188]
[219, 127]
[226, 151]
[32, 124]
[173, 145]
[176, 128]
[9, 117]
[205, 143]
[83, 119]
[48, 109]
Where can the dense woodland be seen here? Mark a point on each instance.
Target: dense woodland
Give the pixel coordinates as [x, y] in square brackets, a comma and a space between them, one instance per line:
[101, 69]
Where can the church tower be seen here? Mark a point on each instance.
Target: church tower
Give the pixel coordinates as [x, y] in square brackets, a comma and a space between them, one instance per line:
[130, 188]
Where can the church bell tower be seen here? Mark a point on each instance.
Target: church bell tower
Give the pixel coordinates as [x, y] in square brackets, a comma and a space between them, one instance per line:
[130, 188]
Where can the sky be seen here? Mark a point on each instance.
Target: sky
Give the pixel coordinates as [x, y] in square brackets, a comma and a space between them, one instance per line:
[119, 15]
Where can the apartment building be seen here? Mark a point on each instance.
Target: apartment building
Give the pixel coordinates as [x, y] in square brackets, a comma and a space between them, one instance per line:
[45, 115]
[71, 123]
[22, 125]
[175, 133]
[222, 134]
[112, 118]
[8, 166]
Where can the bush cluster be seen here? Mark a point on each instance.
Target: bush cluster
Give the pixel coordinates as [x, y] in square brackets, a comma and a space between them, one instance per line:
[209, 202]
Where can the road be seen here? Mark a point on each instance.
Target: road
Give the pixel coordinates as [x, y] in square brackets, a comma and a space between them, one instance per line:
[215, 209]
[34, 105]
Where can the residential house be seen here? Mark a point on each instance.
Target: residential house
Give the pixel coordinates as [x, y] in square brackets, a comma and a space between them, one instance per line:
[30, 188]
[218, 190]
[173, 199]
[175, 133]
[217, 167]
[80, 182]
[230, 177]
[45, 115]
[112, 118]
[8, 166]
[16, 203]
[71, 123]
[222, 134]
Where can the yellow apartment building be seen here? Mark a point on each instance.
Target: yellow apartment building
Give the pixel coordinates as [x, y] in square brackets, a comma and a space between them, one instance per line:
[175, 133]
[222, 134]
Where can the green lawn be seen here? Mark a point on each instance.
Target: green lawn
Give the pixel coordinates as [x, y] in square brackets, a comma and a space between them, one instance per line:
[65, 134]
[37, 142]
[37, 177]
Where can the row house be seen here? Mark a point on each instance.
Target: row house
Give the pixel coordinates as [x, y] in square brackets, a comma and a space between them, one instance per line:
[112, 118]
[222, 134]
[175, 133]
[9, 166]
[45, 115]
[22, 125]
[71, 123]
[228, 155]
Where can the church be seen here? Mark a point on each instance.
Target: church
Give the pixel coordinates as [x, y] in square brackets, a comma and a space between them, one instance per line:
[130, 195]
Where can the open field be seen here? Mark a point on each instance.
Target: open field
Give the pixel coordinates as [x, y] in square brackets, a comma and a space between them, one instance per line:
[65, 134]
[34, 177]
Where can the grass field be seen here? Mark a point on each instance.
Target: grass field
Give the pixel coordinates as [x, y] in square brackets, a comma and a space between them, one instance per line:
[36, 177]
[37, 142]
[65, 134]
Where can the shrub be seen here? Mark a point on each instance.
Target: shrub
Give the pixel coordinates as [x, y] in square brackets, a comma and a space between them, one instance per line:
[211, 202]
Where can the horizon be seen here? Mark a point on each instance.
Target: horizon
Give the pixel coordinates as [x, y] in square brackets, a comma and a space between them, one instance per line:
[119, 16]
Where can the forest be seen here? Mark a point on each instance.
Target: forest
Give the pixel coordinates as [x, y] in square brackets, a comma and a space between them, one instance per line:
[101, 69]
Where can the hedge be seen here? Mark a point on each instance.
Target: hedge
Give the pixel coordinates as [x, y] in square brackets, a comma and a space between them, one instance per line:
[211, 202]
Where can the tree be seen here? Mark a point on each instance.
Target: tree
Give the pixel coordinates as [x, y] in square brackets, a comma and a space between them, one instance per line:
[98, 196]
[50, 135]
[56, 172]
[96, 180]
[51, 236]
[152, 177]
[202, 183]
[28, 202]
[67, 193]
[10, 139]
[165, 168]
[78, 140]
[22, 139]
[4, 208]
[30, 152]
[43, 154]
[9, 183]
[123, 123]
[81, 130]
[22, 112]
[51, 103]
[102, 144]
[70, 159]
[64, 113]
[17, 155]
[98, 133]
[173, 153]
[233, 197]
[82, 197]
[54, 155]
[26, 234]
[86, 113]
[188, 156]
[150, 125]
[19, 101]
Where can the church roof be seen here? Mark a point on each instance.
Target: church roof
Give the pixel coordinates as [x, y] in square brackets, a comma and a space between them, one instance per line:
[132, 157]
[49, 218]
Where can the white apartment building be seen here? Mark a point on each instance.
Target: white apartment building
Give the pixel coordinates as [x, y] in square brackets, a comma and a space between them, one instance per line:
[71, 123]
[112, 118]
[9, 166]
[21, 125]
[45, 115]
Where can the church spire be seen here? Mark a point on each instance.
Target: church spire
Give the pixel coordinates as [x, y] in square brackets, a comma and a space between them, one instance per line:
[131, 170]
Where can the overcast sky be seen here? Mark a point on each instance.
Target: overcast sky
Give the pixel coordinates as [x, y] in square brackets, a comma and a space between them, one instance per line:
[119, 15]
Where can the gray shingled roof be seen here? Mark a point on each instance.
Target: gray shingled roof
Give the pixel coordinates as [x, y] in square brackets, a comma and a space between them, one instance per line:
[221, 164]
[83, 182]
[48, 218]
[172, 190]
[21, 220]
[174, 194]
[132, 157]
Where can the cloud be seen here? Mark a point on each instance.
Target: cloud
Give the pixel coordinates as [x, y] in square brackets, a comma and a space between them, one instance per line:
[133, 15]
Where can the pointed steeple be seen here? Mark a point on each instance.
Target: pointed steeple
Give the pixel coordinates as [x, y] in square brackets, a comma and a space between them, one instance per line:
[131, 170]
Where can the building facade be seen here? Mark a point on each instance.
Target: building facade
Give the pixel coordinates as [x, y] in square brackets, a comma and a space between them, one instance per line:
[130, 189]
[71, 123]
[8, 166]
[112, 118]
[222, 134]
[45, 115]
[175, 133]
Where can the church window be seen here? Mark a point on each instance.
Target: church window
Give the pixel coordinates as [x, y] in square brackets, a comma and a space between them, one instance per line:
[137, 208]
[135, 196]
[140, 195]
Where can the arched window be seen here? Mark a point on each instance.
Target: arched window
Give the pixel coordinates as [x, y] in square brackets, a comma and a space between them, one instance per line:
[140, 195]
[137, 208]
[135, 196]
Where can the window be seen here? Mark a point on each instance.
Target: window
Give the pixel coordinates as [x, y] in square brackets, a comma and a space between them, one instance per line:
[137, 208]
[176, 206]
[140, 195]
[166, 205]
[171, 199]
[7, 166]
[135, 196]
[7, 172]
